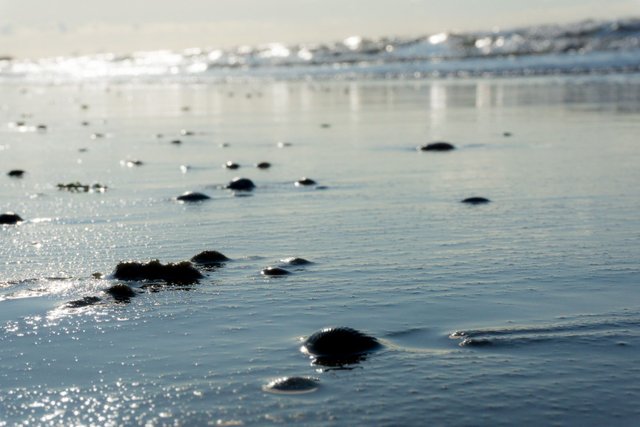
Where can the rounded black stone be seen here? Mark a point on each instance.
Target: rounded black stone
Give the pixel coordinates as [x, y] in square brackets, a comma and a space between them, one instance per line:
[241, 184]
[176, 142]
[182, 272]
[263, 165]
[437, 146]
[16, 173]
[305, 182]
[190, 196]
[295, 261]
[339, 343]
[10, 218]
[274, 271]
[292, 385]
[121, 292]
[209, 257]
[231, 165]
[475, 200]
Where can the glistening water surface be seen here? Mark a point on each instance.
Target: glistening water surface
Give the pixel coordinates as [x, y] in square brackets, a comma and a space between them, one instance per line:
[540, 286]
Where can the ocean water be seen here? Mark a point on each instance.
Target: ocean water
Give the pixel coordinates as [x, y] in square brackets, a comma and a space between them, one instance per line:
[525, 310]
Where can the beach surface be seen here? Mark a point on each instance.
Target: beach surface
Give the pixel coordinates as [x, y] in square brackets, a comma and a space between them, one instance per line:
[521, 311]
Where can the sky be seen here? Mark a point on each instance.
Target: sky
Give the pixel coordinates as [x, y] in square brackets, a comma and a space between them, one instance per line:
[45, 28]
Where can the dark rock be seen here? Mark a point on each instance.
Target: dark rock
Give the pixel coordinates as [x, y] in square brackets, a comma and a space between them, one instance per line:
[84, 302]
[121, 292]
[191, 196]
[182, 272]
[97, 135]
[241, 184]
[176, 142]
[339, 346]
[185, 132]
[231, 165]
[274, 271]
[437, 146]
[325, 125]
[304, 182]
[507, 134]
[41, 128]
[292, 385]
[263, 165]
[295, 261]
[475, 201]
[10, 218]
[133, 163]
[16, 173]
[209, 257]
[284, 144]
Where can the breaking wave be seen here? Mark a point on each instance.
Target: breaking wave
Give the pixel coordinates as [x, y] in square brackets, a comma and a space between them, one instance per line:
[579, 48]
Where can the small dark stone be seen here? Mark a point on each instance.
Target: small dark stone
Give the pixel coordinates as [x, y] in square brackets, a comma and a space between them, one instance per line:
[295, 261]
[325, 125]
[292, 385]
[338, 345]
[121, 292]
[304, 182]
[507, 134]
[241, 184]
[191, 196]
[231, 165]
[263, 165]
[182, 272]
[84, 302]
[284, 144]
[132, 163]
[475, 200]
[185, 132]
[10, 218]
[16, 173]
[41, 128]
[97, 135]
[274, 271]
[176, 142]
[209, 257]
[437, 146]
[84, 123]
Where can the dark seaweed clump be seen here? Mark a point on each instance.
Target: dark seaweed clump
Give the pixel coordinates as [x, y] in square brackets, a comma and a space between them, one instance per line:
[77, 187]
[121, 292]
[181, 272]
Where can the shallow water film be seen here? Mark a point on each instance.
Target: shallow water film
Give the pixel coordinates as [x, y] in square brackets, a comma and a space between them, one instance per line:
[522, 309]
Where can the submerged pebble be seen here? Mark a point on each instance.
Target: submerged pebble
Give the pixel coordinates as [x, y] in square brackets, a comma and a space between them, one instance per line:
[83, 302]
[303, 182]
[192, 196]
[292, 385]
[295, 261]
[241, 184]
[10, 218]
[16, 173]
[274, 271]
[182, 272]
[339, 345]
[475, 201]
[209, 257]
[437, 146]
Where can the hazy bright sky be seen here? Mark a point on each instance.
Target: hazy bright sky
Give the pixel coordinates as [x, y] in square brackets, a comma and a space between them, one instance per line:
[62, 27]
